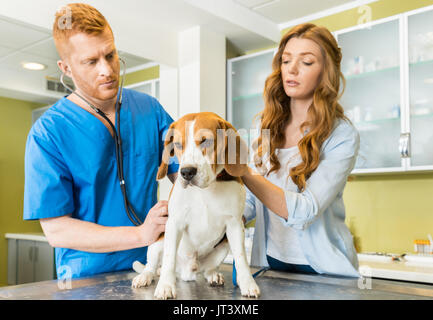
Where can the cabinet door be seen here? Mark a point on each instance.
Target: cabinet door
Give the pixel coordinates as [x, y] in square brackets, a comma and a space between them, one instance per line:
[371, 66]
[43, 261]
[420, 40]
[12, 261]
[25, 270]
[248, 77]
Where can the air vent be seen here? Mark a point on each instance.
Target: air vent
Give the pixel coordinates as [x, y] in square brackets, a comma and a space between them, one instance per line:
[56, 86]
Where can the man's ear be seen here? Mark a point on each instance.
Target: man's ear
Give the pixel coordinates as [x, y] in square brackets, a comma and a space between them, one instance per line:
[236, 152]
[167, 152]
[64, 68]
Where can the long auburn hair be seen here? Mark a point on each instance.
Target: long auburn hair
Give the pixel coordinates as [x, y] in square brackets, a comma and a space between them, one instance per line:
[321, 114]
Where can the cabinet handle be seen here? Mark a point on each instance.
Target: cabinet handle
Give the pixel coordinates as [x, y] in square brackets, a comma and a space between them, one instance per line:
[404, 145]
[31, 253]
[36, 253]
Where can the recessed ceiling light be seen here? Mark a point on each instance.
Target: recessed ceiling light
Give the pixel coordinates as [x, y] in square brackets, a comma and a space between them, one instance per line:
[264, 4]
[33, 66]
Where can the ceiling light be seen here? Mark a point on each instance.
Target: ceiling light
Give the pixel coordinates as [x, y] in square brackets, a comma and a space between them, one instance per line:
[33, 66]
[264, 4]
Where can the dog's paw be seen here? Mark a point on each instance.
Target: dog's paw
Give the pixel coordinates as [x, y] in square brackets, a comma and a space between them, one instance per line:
[138, 266]
[144, 279]
[215, 279]
[165, 290]
[250, 289]
[188, 276]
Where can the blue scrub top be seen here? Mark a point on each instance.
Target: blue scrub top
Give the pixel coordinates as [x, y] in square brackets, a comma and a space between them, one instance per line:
[70, 168]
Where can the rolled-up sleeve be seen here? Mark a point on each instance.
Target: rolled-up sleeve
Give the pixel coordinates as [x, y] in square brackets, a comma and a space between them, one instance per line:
[48, 182]
[326, 182]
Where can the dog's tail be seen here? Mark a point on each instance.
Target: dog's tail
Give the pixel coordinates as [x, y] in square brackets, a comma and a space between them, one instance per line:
[138, 266]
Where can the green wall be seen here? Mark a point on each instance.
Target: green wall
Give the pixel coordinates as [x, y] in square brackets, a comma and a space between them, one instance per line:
[142, 75]
[385, 213]
[379, 9]
[15, 122]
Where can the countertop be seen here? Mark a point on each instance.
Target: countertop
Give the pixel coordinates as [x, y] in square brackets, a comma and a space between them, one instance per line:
[273, 285]
[370, 265]
[27, 236]
[403, 269]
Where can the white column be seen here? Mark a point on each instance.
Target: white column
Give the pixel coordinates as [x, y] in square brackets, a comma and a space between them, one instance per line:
[169, 99]
[213, 72]
[202, 71]
[168, 90]
[199, 82]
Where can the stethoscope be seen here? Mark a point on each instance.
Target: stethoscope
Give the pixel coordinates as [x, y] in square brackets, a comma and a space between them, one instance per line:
[118, 142]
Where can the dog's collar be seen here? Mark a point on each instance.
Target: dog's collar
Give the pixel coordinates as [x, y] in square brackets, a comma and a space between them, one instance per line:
[221, 174]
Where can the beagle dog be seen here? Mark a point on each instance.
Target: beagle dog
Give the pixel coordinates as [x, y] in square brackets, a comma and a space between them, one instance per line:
[205, 207]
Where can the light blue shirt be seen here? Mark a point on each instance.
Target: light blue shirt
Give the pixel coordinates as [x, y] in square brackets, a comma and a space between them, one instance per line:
[317, 214]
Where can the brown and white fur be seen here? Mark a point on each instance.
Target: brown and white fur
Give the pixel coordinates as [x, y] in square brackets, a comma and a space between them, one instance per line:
[205, 207]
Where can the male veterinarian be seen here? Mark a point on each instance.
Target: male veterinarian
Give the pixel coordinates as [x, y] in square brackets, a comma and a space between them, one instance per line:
[71, 169]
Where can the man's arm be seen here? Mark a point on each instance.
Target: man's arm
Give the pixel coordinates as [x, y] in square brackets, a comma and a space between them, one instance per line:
[68, 232]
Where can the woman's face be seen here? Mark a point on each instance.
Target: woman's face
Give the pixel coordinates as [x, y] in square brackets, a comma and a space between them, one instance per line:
[301, 67]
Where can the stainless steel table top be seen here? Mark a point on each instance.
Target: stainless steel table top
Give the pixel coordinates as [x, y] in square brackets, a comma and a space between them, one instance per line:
[273, 285]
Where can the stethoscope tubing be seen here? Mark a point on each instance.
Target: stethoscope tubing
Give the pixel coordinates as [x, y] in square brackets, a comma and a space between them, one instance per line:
[133, 217]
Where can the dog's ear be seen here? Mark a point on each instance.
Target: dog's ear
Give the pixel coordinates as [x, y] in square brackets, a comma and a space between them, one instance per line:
[236, 151]
[167, 152]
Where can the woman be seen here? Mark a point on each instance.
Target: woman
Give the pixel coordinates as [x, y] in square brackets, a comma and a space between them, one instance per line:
[306, 159]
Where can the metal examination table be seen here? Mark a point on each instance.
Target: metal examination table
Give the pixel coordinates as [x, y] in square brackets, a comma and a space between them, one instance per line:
[273, 285]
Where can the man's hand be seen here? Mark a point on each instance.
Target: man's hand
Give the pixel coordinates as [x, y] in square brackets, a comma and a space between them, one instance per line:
[154, 224]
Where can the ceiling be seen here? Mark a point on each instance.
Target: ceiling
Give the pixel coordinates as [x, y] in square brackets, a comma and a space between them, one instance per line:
[282, 11]
[26, 43]
[145, 31]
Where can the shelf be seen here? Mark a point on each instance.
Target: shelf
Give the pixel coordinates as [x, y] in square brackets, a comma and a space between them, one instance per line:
[370, 73]
[349, 77]
[378, 121]
[421, 63]
[248, 96]
[420, 116]
[376, 72]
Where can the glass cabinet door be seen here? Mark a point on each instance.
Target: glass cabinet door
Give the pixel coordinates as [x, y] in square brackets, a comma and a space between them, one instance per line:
[420, 40]
[248, 76]
[371, 100]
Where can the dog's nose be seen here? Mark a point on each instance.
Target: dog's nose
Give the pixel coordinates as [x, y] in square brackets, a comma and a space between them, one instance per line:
[188, 173]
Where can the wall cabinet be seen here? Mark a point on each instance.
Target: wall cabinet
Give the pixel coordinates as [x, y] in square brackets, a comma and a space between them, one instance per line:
[30, 259]
[246, 79]
[388, 67]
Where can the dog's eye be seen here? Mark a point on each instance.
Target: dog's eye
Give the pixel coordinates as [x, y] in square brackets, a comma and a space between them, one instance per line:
[178, 145]
[206, 143]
